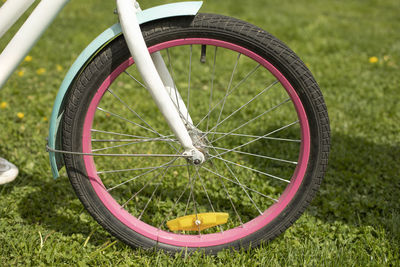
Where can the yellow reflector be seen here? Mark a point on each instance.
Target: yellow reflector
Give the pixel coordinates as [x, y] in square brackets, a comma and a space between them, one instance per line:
[203, 221]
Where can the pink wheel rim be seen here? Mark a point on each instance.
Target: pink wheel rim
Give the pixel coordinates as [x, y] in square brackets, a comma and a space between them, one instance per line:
[205, 240]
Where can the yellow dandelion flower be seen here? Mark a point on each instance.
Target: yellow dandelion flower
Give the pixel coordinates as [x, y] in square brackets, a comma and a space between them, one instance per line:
[40, 71]
[373, 60]
[59, 67]
[3, 105]
[45, 119]
[20, 115]
[21, 73]
[28, 59]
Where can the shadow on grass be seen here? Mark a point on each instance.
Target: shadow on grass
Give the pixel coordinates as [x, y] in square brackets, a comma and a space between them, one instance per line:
[54, 205]
[362, 185]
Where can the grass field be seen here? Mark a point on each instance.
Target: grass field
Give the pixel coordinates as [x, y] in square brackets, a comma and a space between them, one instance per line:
[352, 48]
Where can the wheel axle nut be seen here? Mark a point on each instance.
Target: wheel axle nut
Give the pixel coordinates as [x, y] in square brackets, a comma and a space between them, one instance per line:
[194, 156]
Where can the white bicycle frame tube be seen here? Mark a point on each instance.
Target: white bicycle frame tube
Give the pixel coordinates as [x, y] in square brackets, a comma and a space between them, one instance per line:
[133, 36]
[10, 12]
[28, 34]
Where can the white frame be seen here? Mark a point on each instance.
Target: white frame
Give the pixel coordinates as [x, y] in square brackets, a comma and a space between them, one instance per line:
[28, 34]
[151, 67]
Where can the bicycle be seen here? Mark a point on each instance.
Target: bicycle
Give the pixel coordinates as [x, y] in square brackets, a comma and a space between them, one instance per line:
[228, 154]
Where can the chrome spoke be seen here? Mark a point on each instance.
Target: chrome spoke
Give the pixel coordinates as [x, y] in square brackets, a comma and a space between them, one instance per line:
[148, 182]
[137, 169]
[187, 203]
[244, 105]
[173, 80]
[122, 118]
[132, 143]
[254, 170]
[115, 140]
[212, 87]
[234, 182]
[192, 184]
[136, 80]
[233, 89]
[227, 90]
[173, 207]
[257, 136]
[148, 202]
[190, 193]
[137, 115]
[190, 73]
[49, 149]
[254, 155]
[140, 175]
[134, 140]
[120, 134]
[204, 189]
[137, 193]
[132, 179]
[134, 112]
[251, 120]
[252, 141]
[244, 189]
[208, 197]
[230, 199]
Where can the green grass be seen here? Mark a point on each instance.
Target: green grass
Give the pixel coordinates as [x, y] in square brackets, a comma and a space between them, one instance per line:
[354, 220]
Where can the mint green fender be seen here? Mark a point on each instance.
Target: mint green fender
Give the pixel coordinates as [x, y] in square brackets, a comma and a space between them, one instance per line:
[154, 13]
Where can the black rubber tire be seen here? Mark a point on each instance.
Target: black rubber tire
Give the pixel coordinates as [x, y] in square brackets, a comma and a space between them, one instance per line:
[210, 26]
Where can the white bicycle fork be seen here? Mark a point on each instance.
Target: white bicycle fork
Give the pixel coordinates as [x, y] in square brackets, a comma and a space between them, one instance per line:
[157, 79]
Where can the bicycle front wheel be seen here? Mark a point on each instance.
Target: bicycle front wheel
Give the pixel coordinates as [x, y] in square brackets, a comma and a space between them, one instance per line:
[253, 109]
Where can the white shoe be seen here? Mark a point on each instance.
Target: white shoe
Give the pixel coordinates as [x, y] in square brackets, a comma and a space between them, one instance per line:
[8, 171]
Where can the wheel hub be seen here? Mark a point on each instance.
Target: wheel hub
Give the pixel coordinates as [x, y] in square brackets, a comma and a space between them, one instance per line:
[200, 142]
